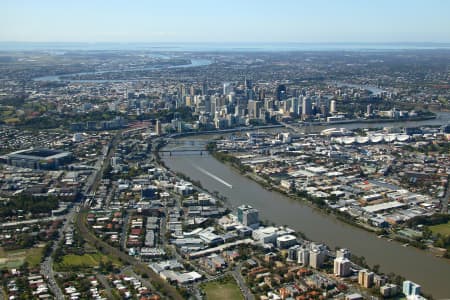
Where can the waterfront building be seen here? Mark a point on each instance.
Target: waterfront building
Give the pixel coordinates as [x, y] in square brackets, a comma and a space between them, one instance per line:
[303, 256]
[342, 267]
[316, 258]
[293, 253]
[411, 289]
[365, 278]
[389, 290]
[266, 235]
[379, 280]
[248, 216]
[343, 253]
[286, 241]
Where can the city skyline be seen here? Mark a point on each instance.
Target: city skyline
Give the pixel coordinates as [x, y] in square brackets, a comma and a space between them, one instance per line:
[211, 22]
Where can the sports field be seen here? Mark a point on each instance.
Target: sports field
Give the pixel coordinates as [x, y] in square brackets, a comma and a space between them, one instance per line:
[15, 258]
[222, 289]
[73, 261]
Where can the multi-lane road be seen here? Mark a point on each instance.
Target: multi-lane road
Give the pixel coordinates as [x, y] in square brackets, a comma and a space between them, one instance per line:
[47, 264]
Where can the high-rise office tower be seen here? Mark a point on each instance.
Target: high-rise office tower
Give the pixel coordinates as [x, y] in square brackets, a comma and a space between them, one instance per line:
[254, 108]
[227, 88]
[369, 110]
[281, 92]
[181, 91]
[158, 129]
[333, 106]
[248, 84]
[306, 107]
[205, 88]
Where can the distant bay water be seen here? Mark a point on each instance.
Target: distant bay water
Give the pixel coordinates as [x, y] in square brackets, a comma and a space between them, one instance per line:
[226, 47]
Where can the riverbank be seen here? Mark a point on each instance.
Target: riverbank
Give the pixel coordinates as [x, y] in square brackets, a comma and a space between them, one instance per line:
[359, 261]
[315, 203]
[414, 264]
[371, 121]
[264, 183]
[343, 122]
[230, 130]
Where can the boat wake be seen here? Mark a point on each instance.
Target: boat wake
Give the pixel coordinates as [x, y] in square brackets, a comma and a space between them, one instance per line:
[214, 177]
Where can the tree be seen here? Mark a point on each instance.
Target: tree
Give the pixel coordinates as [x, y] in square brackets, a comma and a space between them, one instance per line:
[376, 268]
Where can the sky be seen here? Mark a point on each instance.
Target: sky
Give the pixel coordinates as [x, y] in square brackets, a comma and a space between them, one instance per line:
[212, 21]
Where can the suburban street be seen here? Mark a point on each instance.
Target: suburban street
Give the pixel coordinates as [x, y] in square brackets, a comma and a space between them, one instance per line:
[241, 282]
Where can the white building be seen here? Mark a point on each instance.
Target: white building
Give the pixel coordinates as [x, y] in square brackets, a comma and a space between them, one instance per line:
[303, 256]
[316, 258]
[265, 235]
[286, 241]
[342, 267]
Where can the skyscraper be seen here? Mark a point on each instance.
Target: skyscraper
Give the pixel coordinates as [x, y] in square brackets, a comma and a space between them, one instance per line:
[342, 267]
[316, 258]
[248, 84]
[158, 128]
[303, 256]
[227, 88]
[205, 88]
[254, 108]
[333, 106]
[369, 110]
[181, 92]
[281, 92]
[306, 107]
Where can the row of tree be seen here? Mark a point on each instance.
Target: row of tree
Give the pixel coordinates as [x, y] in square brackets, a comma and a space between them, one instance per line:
[24, 204]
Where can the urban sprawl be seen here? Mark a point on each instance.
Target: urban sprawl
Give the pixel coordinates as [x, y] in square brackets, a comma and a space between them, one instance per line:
[90, 210]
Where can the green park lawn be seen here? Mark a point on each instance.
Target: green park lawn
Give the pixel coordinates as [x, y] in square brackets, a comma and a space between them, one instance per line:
[83, 261]
[222, 289]
[443, 229]
[15, 258]
[88, 260]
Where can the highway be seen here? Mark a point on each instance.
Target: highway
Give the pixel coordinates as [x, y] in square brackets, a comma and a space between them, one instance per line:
[91, 184]
[47, 264]
[444, 201]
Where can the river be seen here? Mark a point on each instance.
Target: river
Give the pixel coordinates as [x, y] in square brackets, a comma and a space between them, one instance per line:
[373, 89]
[422, 267]
[194, 63]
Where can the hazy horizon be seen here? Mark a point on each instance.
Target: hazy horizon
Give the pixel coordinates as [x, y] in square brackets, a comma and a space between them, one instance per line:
[218, 47]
